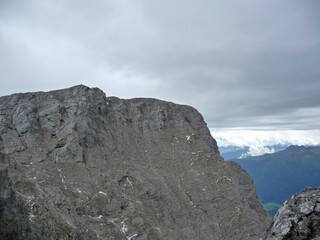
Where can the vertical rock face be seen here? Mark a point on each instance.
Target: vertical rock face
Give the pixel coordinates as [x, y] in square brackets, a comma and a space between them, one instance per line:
[81, 165]
[298, 218]
[13, 214]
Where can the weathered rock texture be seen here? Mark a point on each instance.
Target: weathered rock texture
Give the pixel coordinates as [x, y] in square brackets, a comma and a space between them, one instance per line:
[298, 218]
[79, 165]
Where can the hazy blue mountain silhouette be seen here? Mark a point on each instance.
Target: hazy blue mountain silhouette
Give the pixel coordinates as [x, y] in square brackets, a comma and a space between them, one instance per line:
[233, 152]
[279, 175]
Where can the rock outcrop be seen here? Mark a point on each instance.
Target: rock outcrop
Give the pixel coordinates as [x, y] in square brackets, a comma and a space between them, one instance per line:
[76, 164]
[298, 218]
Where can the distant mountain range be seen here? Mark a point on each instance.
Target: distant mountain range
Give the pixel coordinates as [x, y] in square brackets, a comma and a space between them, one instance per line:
[279, 175]
[233, 152]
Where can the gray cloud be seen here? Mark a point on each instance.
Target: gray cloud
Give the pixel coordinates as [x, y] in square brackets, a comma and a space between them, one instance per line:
[240, 63]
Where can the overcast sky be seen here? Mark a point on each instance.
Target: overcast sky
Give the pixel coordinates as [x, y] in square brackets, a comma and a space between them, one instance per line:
[243, 64]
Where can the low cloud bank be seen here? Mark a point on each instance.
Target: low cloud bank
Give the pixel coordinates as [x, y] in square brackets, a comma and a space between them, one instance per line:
[257, 151]
[258, 139]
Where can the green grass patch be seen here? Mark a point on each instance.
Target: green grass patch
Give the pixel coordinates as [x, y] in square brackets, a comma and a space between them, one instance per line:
[269, 206]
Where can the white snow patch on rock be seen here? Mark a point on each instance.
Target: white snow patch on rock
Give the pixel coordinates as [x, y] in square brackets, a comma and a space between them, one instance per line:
[132, 236]
[103, 193]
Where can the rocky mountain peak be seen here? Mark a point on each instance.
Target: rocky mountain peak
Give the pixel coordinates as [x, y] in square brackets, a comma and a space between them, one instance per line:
[76, 164]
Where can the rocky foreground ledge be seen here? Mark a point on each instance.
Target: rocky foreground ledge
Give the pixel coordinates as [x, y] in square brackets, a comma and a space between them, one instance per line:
[298, 218]
[75, 164]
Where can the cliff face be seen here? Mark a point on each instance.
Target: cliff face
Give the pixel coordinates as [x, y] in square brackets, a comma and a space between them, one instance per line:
[298, 218]
[76, 164]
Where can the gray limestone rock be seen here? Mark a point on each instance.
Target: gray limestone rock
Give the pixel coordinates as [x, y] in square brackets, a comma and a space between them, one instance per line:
[298, 218]
[14, 222]
[86, 166]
